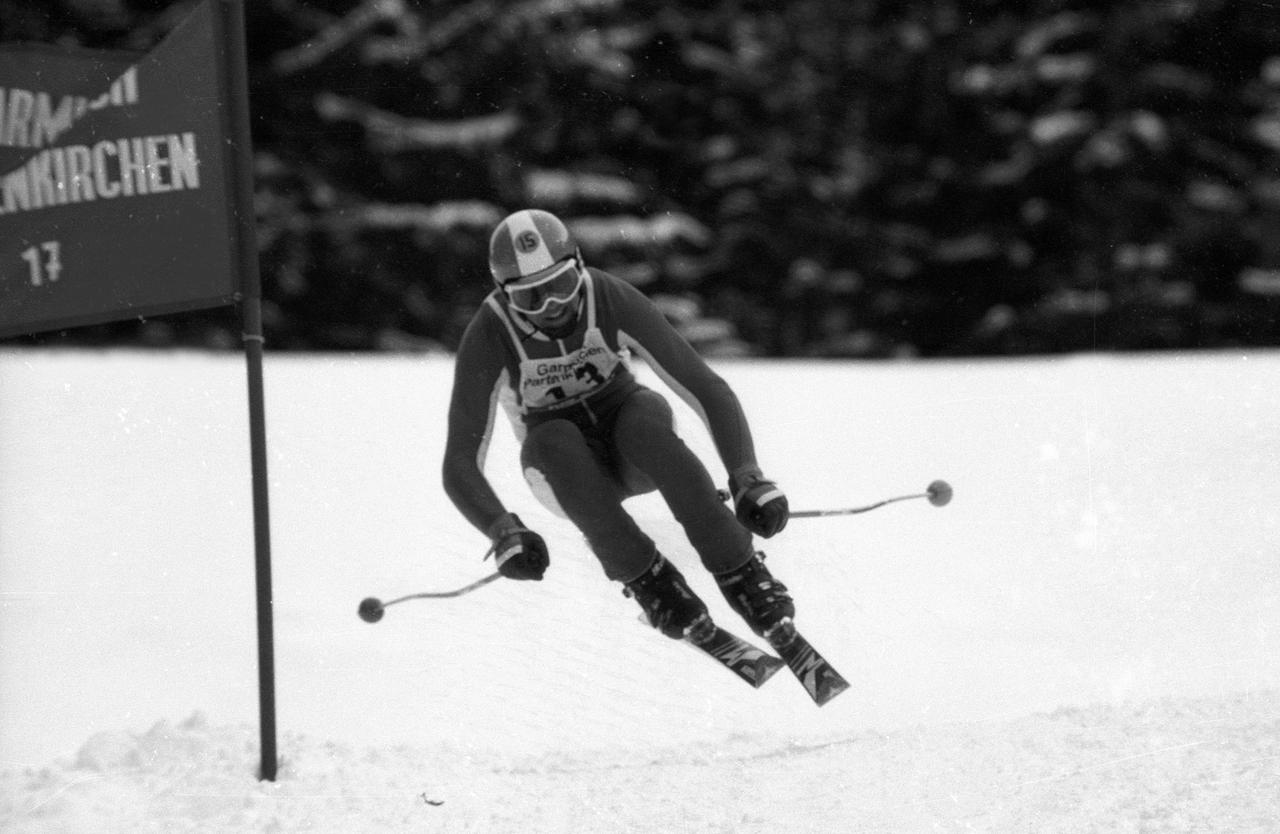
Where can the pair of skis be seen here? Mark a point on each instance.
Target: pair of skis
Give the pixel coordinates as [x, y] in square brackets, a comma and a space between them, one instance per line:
[751, 664]
[755, 666]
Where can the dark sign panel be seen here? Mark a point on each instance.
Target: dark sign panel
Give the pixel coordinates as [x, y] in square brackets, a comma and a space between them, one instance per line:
[115, 197]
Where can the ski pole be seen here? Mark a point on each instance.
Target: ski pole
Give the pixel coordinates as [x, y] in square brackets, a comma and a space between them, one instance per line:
[371, 608]
[938, 493]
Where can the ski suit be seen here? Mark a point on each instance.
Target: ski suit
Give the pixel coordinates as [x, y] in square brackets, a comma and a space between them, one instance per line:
[591, 435]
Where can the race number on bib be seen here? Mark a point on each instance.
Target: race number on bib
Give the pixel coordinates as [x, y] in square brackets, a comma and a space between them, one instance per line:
[551, 381]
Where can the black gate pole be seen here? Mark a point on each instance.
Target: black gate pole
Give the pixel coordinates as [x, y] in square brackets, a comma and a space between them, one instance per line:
[233, 25]
[253, 349]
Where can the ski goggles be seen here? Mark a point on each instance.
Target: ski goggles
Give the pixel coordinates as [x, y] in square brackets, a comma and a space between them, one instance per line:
[535, 297]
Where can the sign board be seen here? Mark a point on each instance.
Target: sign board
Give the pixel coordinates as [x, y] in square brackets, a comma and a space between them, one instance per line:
[116, 190]
[126, 190]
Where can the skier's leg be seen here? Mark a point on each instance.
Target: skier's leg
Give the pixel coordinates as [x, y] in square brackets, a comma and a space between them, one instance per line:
[565, 475]
[644, 435]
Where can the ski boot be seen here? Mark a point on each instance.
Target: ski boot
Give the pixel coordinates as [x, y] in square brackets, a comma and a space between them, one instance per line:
[669, 603]
[760, 599]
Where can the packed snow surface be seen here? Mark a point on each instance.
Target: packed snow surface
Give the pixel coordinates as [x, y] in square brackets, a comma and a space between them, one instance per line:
[1085, 639]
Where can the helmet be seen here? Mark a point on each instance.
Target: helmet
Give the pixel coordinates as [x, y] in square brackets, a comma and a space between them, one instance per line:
[527, 242]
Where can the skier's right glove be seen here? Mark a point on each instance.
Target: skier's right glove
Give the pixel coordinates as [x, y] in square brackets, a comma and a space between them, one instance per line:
[519, 552]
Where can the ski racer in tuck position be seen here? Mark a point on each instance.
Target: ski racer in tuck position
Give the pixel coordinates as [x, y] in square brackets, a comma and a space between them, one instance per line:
[551, 343]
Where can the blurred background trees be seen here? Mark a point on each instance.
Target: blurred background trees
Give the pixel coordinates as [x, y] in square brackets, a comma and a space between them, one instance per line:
[810, 178]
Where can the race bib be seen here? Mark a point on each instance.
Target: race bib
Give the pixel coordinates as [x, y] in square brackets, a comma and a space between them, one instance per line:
[556, 380]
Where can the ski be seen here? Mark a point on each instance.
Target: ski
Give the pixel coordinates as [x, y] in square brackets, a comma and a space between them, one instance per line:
[819, 678]
[753, 665]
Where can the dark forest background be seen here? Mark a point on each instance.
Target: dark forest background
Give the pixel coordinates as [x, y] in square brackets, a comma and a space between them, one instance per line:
[804, 178]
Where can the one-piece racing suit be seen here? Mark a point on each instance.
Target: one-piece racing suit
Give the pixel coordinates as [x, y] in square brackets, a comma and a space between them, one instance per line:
[591, 434]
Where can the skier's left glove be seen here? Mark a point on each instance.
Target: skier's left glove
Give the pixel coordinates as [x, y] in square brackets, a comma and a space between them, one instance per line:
[519, 552]
[760, 505]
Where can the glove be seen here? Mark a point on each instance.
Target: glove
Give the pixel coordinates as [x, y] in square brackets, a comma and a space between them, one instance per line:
[519, 552]
[760, 506]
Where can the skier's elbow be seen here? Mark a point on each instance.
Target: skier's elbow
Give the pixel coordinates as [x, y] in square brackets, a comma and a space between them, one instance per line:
[453, 472]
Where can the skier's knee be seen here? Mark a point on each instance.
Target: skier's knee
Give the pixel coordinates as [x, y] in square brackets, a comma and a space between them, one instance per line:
[645, 424]
[550, 442]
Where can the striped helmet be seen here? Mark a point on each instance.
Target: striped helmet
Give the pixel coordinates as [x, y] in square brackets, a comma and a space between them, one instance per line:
[527, 242]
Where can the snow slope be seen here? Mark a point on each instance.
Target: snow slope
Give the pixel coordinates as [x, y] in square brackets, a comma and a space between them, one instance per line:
[1085, 639]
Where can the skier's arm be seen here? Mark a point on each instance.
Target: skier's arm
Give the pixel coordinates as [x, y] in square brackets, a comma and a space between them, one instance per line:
[478, 379]
[758, 503]
[643, 329]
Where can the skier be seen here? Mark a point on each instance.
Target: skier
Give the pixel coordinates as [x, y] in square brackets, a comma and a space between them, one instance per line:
[551, 343]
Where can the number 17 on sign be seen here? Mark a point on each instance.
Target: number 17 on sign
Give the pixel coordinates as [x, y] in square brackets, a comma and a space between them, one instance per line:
[44, 262]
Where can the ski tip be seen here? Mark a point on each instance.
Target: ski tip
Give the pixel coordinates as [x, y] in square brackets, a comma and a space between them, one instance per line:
[750, 663]
[832, 687]
[765, 668]
[818, 677]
